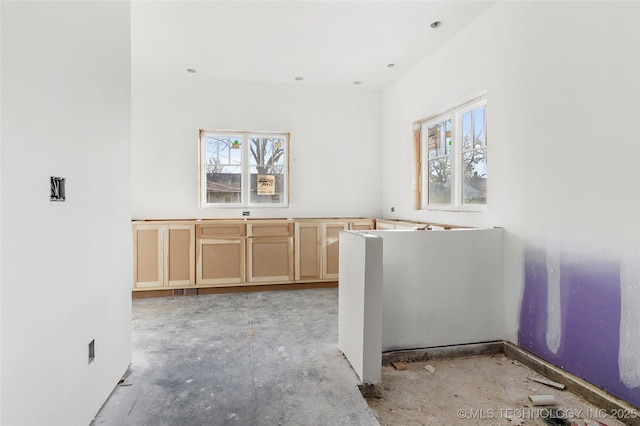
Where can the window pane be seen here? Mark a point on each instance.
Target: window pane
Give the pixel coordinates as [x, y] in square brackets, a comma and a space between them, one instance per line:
[222, 166]
[222, 150]
[440, 181]
[434, 140]
[467, 130]
[447, 136]
[224, 186]
[478, 128]
[267, 161]
[439, 139]
[474, 185]
[452, 154]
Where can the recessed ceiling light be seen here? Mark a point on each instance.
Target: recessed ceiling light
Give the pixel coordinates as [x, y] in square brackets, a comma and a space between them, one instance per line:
[299, 78]
[191, 70]
[436, 24]
[357, 82]
[391, 65]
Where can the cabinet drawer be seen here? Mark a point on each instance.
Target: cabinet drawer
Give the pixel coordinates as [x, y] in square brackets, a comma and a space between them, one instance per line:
[274, 229]
[361, 225]
[220, 230]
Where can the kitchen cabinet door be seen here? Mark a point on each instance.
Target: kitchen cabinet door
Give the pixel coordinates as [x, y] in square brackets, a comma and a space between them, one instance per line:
[270, 259]
[308, 248]
[148, 259]
[330, 248]
[179, 255]
[220, 261]
[163, 255]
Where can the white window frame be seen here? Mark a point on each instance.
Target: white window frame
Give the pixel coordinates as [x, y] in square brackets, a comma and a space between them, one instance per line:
[421, 157]
[245, 197]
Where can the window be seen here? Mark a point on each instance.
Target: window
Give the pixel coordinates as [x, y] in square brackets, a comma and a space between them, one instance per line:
[451, 159]
[244, 169]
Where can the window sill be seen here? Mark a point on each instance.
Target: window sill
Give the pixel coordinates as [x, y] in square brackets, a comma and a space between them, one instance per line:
[244, 207]
[456, 209]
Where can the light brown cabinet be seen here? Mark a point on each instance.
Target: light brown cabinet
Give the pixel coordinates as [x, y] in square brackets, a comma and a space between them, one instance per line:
[179, 255]
[234, 252]
[330, 248]
[148, 262]
[317, 249]
[163, 255]
[361, 225]
[385, 224]
[220, 253]
[308, 249]
[270, 252]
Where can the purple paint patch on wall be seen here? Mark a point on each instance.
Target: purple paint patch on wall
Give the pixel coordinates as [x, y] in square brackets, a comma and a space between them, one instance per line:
[533, 312]
[591, 322]
[590, 312]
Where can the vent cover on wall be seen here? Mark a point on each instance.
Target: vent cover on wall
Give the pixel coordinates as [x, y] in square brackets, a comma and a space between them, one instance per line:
[185, 292]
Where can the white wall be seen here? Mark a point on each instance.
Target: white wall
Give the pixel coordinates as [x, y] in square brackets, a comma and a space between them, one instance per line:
[360, 303]
[335, 144]
[441, 288]
[562, 122]
[0, 214]
[66, 267]
[563, 131]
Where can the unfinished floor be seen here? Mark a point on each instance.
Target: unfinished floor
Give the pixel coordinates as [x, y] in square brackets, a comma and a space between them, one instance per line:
[478, 390]
[265, 358]
[271, 358]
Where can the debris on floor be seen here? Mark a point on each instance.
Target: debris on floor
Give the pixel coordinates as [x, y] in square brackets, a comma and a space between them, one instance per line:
[370, 390]
[474, 391]
[250, 335]
[542, 399]
[399, 366]
[430, 368]
[547, 382]
[515, 421]
[553, 417]
[123, 380]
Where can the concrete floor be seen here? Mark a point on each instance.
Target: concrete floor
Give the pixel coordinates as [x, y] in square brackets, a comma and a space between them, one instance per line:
[266, 358]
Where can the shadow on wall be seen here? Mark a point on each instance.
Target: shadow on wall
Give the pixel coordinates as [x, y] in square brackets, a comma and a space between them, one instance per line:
[571, 316]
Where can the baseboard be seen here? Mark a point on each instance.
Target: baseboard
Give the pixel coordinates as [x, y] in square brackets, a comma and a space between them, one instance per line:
[195, 291]
[615, 407]
[452, 351]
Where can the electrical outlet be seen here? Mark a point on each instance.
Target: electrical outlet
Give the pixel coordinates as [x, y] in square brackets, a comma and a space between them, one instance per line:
[92, 350]
[246, 213]
[393, 209]
[57, 188]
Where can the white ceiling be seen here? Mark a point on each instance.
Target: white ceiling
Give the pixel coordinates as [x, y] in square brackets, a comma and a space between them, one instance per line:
[329, 43]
